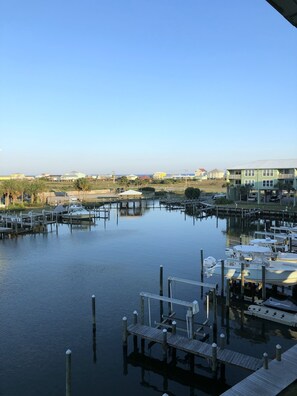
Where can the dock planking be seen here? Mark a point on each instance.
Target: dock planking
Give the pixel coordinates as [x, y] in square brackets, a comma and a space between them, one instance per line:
[271, 381]
[196, 347]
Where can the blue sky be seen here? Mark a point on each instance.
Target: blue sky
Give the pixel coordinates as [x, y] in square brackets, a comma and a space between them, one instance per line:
[138, 86]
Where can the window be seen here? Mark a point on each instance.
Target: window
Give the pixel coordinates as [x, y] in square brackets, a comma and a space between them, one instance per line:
[249, 183]
[267, 183]
[249, 172]
[267, 172]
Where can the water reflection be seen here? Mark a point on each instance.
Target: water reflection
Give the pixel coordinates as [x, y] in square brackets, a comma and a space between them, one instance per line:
[45, 295]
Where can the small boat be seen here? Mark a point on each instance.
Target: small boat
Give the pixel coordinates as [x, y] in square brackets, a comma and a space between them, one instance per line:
[284, 305]
[77, 212]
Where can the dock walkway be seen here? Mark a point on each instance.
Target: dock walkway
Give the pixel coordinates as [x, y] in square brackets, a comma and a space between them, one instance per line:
[196, 347]
[271, 381]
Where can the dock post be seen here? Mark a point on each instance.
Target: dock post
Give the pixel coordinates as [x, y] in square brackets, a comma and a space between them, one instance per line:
[125, 330]
[278, 353]
[68, 372]
[94, 310]
[174, 327]
[164, 344]
[201, 265]
[161, 292]
[135, 317]
[265, 360]
[222, 277]
[263, 282]
[214, 356]
[215, 308]
[207, 306]
[135, 320]
[227, 293]
[222, 341]
[242, 281]
[142, 310]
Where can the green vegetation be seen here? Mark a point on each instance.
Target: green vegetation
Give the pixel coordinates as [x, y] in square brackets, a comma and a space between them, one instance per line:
[82, 184]
[192, 193]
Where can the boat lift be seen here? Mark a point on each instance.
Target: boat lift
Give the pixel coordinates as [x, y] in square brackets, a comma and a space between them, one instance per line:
[192, 308]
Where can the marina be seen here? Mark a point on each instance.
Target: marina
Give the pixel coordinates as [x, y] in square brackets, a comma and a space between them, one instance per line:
[47, 280]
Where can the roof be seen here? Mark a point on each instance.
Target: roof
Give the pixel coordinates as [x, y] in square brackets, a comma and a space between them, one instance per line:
[131, 192]
[268, 164]
[287, 8]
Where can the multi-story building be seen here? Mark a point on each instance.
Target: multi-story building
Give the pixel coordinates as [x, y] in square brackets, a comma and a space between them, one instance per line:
[263, 177]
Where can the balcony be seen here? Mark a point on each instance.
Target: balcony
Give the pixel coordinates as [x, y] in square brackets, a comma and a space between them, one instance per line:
[285, 176]
[234, 177]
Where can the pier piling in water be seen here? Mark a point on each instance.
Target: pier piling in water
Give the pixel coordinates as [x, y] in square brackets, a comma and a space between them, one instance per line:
[68, 372]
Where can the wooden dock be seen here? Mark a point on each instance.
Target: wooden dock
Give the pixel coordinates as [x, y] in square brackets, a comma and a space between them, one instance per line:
[271, 381]
[195, 347]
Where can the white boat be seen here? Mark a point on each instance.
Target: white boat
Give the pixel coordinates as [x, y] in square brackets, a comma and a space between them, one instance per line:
[260, 248]
[276, 273]
[77, 212]
[284, 305]
[289, 232]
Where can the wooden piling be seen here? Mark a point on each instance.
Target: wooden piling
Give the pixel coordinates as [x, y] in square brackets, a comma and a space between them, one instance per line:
[125, 330]
[278, 353]
[161, 292]
[174, 327]
[68, 372]
[265, 360]
[222, 277]
[227, 293]
[214, 357]
[201, 265]
[135, 317]
[215, 314]
[94, 309]
[164, 344]
[222, 341]
[242, 281]
[263, 282]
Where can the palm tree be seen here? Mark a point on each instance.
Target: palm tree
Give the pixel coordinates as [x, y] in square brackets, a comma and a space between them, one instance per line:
[34, 188]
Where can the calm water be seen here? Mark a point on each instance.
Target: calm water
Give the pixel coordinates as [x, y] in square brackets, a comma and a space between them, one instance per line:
[46, 284]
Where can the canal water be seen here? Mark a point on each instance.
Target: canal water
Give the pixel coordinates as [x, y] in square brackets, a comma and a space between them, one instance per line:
[46, 284]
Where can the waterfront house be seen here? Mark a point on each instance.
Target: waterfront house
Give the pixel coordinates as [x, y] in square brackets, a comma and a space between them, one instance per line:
[264, 177]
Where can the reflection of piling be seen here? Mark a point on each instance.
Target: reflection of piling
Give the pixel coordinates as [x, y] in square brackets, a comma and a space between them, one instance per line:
[68, 372]
[94, 328]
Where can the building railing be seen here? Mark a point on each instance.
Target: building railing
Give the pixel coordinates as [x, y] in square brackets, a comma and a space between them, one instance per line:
[234, 177]
[285, 176]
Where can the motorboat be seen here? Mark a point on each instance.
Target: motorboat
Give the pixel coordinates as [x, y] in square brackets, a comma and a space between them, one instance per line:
[284, 305]
[276, 272]
[262, 248]
[77, 212]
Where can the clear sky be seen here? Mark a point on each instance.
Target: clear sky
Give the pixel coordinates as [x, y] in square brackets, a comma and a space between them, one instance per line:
[138, 86]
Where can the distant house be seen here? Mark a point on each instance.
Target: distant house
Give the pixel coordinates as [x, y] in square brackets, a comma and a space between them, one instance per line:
[216, 174]
[159, 175]
[72, 176]
[201, 173]
[132, 177]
